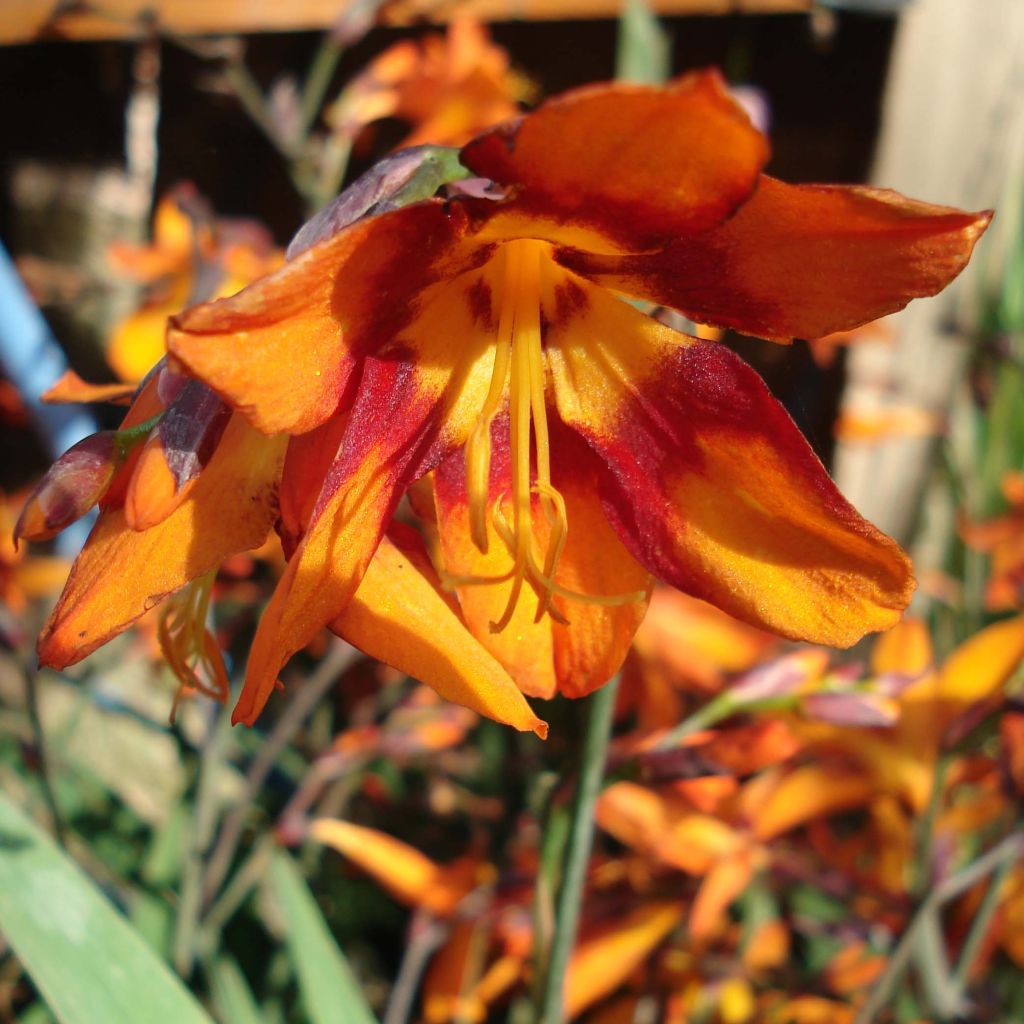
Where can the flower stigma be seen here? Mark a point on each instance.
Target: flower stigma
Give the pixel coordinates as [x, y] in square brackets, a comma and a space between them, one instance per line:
[519, 362]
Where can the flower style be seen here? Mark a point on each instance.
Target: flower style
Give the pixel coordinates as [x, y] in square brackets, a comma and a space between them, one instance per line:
[560, 445]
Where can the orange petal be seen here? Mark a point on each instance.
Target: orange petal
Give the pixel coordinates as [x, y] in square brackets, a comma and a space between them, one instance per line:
[707, 480]
[723, 883]
[416, 401]
[400, 616]
[449, 982]
[904, 650]
[283, 350]
[71, 388]
[801, 260]
[173, 238]
[591, 648]
[698, 643]
[525, 646]
[634, 815]
[627, 164]
[120, 573]
[694, 843]
[981, 665]
[875, 425]
[410, 876]
[602, 962]
[808, 792]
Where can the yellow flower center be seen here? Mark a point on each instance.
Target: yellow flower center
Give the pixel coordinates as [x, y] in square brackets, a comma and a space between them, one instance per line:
[519, 361]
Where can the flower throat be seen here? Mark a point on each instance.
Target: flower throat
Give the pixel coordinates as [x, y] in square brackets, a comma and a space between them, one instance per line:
[519, 360]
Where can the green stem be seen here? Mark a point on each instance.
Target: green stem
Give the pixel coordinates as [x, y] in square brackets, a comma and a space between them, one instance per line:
[926, 828]
[318, 80]
[581, 837]
[1005, 852]
[718, 709]
[979, 927]
[552, 856]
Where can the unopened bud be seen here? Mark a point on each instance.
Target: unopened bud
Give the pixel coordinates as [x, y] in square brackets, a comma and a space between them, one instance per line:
[72, 485]
[175, 454]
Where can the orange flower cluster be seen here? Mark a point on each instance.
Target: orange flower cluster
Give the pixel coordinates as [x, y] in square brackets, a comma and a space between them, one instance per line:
[761, 869]
[193, 256]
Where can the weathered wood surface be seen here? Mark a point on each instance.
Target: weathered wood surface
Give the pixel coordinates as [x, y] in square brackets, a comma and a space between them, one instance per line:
[24, 21]
[953, 133]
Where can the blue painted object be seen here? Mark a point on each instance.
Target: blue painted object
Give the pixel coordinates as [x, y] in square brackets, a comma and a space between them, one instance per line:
[33, 361]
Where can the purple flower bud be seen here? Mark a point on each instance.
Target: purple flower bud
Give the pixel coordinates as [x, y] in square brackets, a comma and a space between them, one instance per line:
[72, 485]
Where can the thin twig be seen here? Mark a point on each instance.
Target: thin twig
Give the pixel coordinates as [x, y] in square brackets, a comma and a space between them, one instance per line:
[581, 837]
[1008, 850]
[980, 926]
[234, 894]
[307, 696]
[318, 79]
[427, 934]
[39, 741]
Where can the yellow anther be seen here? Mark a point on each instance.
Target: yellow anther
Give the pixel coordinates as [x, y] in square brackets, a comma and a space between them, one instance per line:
[519, 361]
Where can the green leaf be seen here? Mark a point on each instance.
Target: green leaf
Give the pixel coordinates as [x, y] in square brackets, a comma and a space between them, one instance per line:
[232, 999]
[330, 992]
[83, 956]
[644, 50]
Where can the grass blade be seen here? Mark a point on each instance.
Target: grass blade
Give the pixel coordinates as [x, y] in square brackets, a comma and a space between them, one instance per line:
[88, 963]
[330, 992]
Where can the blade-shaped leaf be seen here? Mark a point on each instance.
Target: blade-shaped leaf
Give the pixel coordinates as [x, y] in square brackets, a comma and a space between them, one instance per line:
[330, 992]
[233, 1000]
[84, 957]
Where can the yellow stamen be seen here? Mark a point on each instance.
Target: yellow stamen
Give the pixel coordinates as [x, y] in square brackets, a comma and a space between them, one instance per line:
[189, 647]
[519, 359]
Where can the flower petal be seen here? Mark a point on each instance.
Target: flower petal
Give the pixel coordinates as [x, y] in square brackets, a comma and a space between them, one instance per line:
[800, 260]
[71, 388]
[603, 961]
[547, 655]
[354, 505]
[807, 792]
[416, 401]
[625, 165]
[708, 482]
[410, 876]
[283, 350]
[592, 647]
[121, 573]
[399, 616]
[524, 647]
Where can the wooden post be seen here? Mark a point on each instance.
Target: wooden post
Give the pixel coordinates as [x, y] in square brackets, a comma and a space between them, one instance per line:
[953, 133]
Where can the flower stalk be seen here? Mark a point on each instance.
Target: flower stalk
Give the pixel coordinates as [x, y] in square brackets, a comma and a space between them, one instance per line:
[581, 837]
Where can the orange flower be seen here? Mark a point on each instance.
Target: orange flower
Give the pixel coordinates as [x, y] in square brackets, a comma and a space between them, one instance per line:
[189, 248]
[23, 577]
[1003, 538]
[447, 88]
[576, 445]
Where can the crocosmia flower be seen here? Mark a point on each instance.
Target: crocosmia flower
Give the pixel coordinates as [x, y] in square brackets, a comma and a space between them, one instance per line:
[484, 353]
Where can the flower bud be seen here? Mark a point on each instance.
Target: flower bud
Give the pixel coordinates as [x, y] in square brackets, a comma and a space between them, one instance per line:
[175, 454]
[72, 485]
